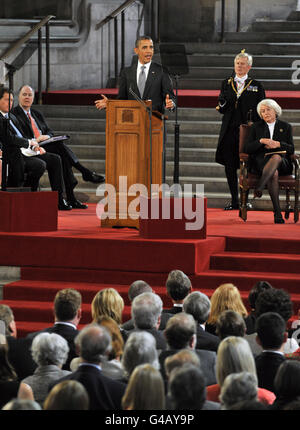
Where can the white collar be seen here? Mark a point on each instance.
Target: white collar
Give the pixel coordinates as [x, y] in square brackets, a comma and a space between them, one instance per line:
[66, 323]
[242, 79]
[147, 66]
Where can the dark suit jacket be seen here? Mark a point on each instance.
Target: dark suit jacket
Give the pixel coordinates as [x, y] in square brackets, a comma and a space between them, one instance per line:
[26, 124]
[104, 393]
[173, 310]
[158, 85]
[207, 361]
[234, 115]
[19, 356]
[157, 334]
[67, 332]
[257, 151]
[206, 340]
[267, 364]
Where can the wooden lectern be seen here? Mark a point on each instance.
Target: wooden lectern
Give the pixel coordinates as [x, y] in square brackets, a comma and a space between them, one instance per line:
[128, 153]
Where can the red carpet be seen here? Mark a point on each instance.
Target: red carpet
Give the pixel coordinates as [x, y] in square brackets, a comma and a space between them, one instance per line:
[186, 98]
[81, 255]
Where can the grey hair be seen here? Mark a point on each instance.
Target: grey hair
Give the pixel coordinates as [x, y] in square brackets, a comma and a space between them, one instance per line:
[238, 387]
[244, 55]
[140, 348]
[49, 348]
[198, 305]
[271, 104]
[22, 404]
[93, 341]
[138, 287]
[145, 310]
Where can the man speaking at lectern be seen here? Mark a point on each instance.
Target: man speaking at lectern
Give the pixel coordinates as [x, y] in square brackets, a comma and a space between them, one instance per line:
[147, 79]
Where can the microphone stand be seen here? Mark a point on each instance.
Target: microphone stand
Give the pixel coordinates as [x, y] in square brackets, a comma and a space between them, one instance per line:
[149, 111]
[176, 136]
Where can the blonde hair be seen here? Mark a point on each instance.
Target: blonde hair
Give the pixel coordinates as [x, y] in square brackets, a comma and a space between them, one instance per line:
[108, 302]
[234, 355]
[145, 389]
[117, 341]
[226, 297]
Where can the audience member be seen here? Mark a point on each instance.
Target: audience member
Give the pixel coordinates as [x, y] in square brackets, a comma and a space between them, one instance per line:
[271, 335]
[146, 312]
[255, 291]
[180, 333]
[294, 405]
[19, 354]
[93, 342]
[140, 348]
[136, 288]
[67, 314]
[50, 352]
[249, 405]
[178, 286]
[67, 396]
[225, 297]
[230, 323]
[185, 356]
[10, 386]
[286, 384]
[238, 387]
[187, 388]
[111, 362]
[145, 390]
[22, 405]
[198, 305]
[234, 356]
[273, 300]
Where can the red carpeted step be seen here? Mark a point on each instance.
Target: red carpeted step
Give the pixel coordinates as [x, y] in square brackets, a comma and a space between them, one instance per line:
[91, 276]
[245, 280]
[263, 244]
[46, 290]
[256, 262]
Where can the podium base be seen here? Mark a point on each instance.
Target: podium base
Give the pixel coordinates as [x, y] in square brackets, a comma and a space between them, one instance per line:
[173, 228]
[28, 211]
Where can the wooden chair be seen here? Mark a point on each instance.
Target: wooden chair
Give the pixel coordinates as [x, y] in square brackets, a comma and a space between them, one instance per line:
[248, 181]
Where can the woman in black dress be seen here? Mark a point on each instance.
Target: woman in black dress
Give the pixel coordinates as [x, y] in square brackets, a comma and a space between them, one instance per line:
[270, 145]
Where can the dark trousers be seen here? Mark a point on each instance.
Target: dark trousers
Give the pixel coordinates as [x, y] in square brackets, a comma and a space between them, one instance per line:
[230, 151]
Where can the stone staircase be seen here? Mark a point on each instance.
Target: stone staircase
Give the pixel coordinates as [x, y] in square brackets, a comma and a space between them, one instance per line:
[274, 45]
[199, 130]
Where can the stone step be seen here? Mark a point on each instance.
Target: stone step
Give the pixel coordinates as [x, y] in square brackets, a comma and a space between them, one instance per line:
[70, 111]
[259, 48]
[265, 36]
[227, 60]
[215, 84]
[275, 26]
[73, 124]
[259, 73]
[8, 274]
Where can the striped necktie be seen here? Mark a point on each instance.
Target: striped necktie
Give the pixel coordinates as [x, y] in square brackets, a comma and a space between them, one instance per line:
[35, 130]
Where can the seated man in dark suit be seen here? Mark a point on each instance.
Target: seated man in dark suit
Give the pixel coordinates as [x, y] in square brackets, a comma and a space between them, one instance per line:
[147, 79]
[105, 393]
[33, 125]
[178, 286]
[26, 156]
[180, 333]
[198, 305]
[271, 335]
[67, 314]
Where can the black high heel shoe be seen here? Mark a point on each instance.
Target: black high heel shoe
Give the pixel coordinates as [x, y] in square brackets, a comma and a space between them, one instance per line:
[278, 218]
